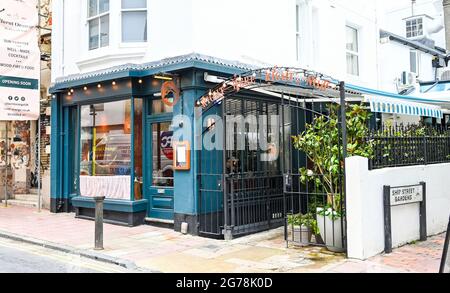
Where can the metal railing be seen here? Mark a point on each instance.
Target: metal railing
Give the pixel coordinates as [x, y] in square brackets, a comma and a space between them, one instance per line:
[408, 145]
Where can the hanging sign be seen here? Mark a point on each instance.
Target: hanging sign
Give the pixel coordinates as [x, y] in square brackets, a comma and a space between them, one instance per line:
[19, 61]
[293, 77]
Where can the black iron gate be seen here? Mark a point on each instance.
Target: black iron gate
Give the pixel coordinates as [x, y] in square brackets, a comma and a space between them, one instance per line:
[240, 194]
[314, 198]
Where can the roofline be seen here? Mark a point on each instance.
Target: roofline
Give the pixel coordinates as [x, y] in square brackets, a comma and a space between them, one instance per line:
[418, 16]
[173, 64]
[413, 44]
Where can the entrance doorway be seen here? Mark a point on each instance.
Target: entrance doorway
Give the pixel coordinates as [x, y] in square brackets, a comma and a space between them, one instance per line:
[161, 174]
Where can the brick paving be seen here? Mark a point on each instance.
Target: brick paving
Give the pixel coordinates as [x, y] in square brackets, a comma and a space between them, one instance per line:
[165, 250]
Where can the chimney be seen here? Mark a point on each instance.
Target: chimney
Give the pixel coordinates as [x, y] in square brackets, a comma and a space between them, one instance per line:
[446, 4]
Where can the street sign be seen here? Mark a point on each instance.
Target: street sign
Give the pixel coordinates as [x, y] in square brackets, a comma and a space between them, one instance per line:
[406, 195]
[402, 195]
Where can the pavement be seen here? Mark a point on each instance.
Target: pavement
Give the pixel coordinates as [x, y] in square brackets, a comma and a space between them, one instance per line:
[154, 249]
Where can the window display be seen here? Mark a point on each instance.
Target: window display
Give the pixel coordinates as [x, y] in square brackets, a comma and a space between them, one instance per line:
[106, 149]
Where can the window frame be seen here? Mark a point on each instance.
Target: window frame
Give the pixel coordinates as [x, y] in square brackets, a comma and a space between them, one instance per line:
[351, 52]
[410, 24]
[297, 32]
[122, 10]
[417, 60]
[98, 16]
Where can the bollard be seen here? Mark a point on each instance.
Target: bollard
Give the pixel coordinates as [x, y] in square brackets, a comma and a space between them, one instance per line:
[99, 222]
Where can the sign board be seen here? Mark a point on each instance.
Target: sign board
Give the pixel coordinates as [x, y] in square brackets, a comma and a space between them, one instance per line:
[406, 195]
[396, 196]
[182, 158]
[19, 61]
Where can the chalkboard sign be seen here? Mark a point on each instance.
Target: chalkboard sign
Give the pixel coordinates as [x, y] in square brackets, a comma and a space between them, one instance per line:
[445, 262]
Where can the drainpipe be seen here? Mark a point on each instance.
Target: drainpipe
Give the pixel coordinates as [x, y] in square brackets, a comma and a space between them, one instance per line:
[446, 4]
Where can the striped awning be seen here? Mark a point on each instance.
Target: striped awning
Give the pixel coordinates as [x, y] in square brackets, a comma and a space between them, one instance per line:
[401, 107]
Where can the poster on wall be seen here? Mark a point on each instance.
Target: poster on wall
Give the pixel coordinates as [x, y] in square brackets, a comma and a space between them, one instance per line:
[19, 60]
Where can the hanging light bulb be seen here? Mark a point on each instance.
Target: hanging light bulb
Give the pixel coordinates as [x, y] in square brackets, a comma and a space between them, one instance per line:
[99, 85]
[85, 88]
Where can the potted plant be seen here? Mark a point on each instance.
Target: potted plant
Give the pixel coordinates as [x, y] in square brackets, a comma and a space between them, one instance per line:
[321, 142]
[303, 227]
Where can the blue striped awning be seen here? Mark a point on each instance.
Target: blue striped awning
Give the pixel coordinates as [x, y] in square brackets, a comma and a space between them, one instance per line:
[395, 106]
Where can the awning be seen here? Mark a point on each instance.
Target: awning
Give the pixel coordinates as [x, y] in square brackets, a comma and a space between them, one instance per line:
[401, 107]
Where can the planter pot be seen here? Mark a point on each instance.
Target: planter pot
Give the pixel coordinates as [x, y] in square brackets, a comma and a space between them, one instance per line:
[331, 237]
[302, 235]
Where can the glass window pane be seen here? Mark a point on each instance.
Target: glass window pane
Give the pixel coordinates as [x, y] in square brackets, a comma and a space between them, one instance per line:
[352, 39]
[158, 107]
[106, 139]
[104, 26]
[134, 26]
[131, 4]
[104, 6]
[352, 64]
[413, 61]
[93, 34]
[162, 153]
[93, 8]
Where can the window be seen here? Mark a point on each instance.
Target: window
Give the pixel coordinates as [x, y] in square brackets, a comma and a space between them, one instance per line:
[414, 57]
[414, 27]
[98, 20]
[106, 165]
[106, 139]
[352, 51]
[297, 30]
[162, 155]
[134, 21]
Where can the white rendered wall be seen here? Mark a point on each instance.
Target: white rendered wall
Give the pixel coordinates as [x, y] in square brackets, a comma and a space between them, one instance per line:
[365, 213]
[252, 31]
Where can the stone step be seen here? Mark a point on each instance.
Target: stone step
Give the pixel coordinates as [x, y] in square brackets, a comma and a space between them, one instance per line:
[22, 203]
[26, 197]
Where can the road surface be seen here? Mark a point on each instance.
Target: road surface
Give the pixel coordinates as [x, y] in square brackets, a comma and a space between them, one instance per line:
[18, 257]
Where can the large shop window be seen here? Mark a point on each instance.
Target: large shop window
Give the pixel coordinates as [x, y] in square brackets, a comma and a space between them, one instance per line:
[134, 21]
[98, 20]
[106, 150]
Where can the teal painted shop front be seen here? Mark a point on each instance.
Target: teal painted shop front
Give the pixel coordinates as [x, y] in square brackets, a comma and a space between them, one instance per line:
[112, 135]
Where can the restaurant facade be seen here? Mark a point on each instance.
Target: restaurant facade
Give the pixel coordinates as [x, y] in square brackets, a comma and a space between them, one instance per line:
[156, 141]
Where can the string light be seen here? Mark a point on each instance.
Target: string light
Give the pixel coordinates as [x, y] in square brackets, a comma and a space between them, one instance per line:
[113, 83]
[99, 85]
[85, 88]
[71, 90]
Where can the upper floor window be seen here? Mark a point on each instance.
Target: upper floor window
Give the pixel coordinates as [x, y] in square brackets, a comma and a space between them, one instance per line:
[414, 61]
[297, 31]
[134, 21]
[352, 51]
[414, 27]
[98, 19]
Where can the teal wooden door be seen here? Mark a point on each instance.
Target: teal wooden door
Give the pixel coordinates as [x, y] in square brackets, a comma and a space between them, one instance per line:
[161, 175]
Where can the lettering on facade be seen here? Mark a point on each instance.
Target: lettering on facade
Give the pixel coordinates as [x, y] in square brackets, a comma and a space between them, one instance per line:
[275, 74]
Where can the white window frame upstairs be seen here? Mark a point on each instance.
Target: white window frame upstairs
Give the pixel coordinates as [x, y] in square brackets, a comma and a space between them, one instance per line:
[98, 17]
[352, 52]
[122, 10]
[417, 60]
[297, 32]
